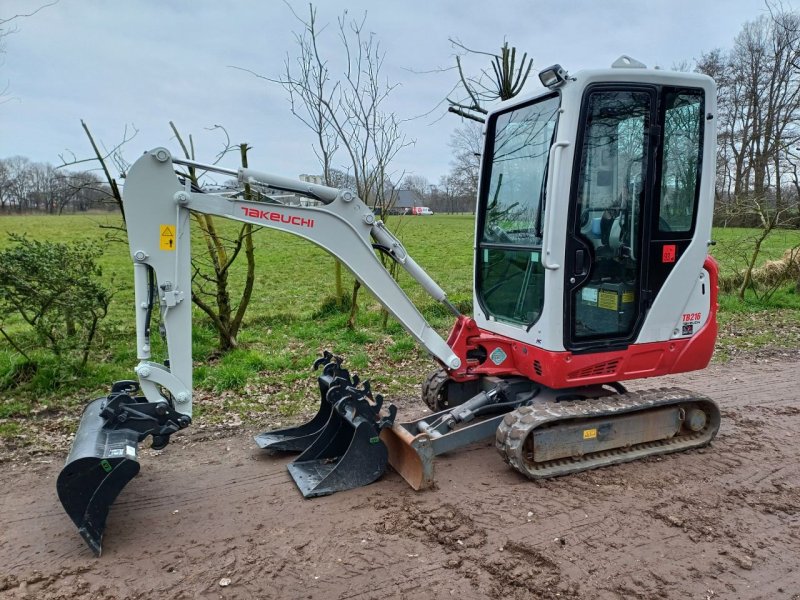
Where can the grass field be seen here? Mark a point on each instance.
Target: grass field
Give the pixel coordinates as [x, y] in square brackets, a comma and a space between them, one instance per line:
[289, 322]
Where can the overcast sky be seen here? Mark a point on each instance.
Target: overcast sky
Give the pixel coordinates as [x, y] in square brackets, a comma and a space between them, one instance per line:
[142, 63]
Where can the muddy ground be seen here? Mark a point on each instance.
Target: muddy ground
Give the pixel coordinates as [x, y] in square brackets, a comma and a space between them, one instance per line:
[722, 522]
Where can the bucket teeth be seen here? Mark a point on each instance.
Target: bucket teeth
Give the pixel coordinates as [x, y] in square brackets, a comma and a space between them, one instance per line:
[300, 437]
[348, 453]
[340, 446]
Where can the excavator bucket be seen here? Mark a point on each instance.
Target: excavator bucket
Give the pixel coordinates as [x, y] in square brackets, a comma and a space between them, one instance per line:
[348, 452]
[299, 438]
[103, 458]
[100, 464]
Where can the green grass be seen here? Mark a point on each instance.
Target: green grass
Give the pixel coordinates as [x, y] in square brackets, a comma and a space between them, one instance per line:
[734, 245]
[292, 319]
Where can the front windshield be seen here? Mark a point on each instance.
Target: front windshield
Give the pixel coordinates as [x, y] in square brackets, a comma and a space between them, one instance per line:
[510, 276]
[522, 140]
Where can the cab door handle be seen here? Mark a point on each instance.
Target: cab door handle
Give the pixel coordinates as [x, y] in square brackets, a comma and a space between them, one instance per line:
[581, 267]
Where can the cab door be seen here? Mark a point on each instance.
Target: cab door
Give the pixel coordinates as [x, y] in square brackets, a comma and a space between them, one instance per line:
[606, 245]
[633, 204]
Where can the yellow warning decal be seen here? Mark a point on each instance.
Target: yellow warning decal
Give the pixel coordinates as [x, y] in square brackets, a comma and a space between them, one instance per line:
[167, 239]
[628, 297]
[607, 300]
[589, 434]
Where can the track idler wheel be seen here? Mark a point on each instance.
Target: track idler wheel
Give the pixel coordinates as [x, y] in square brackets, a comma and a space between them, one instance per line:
[434, 390]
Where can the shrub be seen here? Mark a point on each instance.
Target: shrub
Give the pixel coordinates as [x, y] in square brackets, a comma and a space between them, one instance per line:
[55, 289]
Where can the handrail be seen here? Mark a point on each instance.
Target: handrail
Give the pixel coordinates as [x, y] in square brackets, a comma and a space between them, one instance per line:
[552, 170]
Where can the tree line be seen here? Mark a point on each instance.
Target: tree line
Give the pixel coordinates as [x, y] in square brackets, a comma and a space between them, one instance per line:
[758, 137]
[27, 187]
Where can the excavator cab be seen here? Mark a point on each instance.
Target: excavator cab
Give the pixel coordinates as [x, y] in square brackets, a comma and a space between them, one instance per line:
[594, 196]
[592, 224]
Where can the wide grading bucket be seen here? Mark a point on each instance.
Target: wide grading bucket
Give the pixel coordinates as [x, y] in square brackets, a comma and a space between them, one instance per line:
[103, 458]
[101, 463]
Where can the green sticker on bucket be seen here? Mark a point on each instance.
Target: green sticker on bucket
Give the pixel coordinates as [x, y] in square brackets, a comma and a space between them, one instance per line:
[374, 440]
[106, 465]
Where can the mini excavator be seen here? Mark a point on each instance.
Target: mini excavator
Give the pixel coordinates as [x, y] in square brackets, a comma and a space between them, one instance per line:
[591, 268]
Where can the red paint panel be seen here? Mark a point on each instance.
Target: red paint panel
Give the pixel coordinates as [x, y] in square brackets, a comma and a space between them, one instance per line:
[564, 369]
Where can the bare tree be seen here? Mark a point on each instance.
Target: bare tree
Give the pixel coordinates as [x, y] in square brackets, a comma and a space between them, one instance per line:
[758, 83]
[105, 159]
[346, 112]
[417, 183]
[505, 80]
[214, 267]
[466, 142]
[759, 104]
[8, 26]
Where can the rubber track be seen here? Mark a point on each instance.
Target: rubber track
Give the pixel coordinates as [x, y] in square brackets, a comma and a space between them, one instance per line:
[520, 423]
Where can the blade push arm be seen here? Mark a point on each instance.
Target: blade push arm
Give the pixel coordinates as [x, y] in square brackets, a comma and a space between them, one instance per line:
[157, 209]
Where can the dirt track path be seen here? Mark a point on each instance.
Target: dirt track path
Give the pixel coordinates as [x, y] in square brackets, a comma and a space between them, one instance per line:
[723, 522]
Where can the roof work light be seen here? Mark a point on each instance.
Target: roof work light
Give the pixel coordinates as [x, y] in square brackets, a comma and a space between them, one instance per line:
[552, 77]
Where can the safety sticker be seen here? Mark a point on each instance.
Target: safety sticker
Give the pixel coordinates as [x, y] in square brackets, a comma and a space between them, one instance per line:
[608, 300]
[115, 452]
[498, 356]
[130, 451]
[668, 253]
[628, 297]
[589, 434]
[589, 295]
[167, 239]
[106, 466]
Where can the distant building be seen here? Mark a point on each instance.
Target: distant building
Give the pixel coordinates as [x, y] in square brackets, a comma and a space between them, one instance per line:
[407, 199]
[315, 179]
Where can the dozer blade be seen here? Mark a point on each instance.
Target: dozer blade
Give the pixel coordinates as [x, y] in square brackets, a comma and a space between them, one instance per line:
[411, 456]
[299, 438]
[348, 453]
[100, 464]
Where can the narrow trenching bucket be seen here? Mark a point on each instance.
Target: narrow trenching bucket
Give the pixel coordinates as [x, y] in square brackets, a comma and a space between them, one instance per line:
[348, 453]
[299, 438]
[100, 464]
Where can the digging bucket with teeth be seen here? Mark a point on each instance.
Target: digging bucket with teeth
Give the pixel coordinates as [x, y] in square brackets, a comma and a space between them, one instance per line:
[104, 455]
[299, 438]
[348, 452]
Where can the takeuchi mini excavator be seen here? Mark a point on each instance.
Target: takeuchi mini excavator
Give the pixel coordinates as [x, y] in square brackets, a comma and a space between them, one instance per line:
[591, 268]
